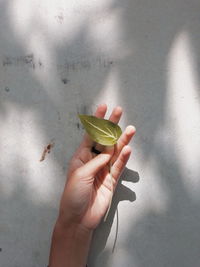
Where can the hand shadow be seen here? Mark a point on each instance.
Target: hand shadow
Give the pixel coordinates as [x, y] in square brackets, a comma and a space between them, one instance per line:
[103, 230]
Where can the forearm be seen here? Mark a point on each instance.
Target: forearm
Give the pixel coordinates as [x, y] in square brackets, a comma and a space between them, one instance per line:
[70, 246]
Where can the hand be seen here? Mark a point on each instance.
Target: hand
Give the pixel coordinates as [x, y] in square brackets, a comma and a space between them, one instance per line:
[88, 188]
[87, 194]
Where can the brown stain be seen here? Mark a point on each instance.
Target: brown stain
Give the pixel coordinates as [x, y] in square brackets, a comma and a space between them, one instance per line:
[46, 150]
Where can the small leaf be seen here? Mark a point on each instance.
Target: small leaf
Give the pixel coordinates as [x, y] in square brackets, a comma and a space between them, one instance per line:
[101, 131]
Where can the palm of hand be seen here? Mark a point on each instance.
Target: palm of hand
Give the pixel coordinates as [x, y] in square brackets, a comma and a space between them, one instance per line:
[94, 194]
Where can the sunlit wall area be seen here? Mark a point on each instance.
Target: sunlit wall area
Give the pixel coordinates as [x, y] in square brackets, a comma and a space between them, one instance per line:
[183, 108]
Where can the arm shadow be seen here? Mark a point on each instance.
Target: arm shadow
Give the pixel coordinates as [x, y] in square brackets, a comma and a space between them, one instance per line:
[102, 232]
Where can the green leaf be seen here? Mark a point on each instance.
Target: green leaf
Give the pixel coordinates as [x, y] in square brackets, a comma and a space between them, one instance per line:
[101, 131]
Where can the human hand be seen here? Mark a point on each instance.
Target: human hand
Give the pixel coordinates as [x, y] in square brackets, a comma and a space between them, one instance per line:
[88, 188]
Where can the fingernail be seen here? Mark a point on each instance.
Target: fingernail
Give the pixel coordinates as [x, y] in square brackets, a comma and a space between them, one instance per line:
[131, 129]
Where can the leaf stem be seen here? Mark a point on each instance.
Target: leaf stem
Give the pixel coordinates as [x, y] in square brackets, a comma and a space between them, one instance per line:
[112, 187]
[111, 183]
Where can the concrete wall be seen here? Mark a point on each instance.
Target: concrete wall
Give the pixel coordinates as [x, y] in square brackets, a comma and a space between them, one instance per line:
[61, 57]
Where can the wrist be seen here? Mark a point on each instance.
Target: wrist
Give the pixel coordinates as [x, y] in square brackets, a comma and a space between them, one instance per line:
[70, 245]
[71, 227]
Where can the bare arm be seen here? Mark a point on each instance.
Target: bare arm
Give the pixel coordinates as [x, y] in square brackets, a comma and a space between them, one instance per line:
[70, 246]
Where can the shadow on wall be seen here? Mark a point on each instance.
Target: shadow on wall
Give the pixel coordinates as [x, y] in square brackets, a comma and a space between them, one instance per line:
[122, 193]
[79, 72]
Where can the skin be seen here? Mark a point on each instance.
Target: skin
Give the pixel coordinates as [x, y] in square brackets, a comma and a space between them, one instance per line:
[86, 195]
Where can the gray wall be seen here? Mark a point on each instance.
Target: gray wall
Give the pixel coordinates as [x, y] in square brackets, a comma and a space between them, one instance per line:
[58, 58]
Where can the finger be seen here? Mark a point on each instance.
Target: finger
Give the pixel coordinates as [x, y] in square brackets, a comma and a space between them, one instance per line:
[116, 114]
[92, 167]
[100, 113]
[120, 163]
[124, 140]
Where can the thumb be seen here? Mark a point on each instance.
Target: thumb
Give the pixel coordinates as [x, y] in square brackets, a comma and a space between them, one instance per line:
[92, 167]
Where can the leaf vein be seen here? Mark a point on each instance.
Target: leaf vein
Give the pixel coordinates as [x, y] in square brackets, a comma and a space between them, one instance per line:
[100, 129]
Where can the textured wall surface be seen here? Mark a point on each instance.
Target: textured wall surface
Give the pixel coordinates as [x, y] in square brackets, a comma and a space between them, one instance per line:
[61, 57]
